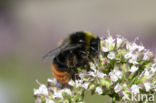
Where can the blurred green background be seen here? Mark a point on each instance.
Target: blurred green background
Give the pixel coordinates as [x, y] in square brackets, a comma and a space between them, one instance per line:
[30, 28]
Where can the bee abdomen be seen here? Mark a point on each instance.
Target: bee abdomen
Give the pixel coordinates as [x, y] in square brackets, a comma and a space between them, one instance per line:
[61, 76]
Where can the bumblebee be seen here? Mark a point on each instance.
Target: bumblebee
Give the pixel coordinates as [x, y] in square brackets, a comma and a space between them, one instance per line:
[75, 51]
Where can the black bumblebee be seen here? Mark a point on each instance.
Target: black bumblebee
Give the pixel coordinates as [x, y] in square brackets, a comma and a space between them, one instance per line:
[75, 51]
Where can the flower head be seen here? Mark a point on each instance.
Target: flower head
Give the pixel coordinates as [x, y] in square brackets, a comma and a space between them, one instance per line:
[134, 69]
[118, 88]
[135, 89]
[42, 90]
[99, 90]
[111, 55]
[120, 69]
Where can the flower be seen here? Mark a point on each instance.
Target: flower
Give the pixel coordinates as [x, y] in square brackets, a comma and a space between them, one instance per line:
[146, 73]
[119, 41]
[50, 80]
[146, 55]
[85, 85]
[135, 89]
[99, 90]
[57, 94]
[133, 60]
[110, 41]
[78, 83]
[111, 55]
[125, 96]
[100, 74]
[118, 73]
[104, 49]
[128, 55]
[134, 46]
[133, 69]
[71, 82]
[147, 86]
[92, 73]
[42, 90]
[153, 69]
[115, 75]
[49, 100]
[68, 91]
[117, 88]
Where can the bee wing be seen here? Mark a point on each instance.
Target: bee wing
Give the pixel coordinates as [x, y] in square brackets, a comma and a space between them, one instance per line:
[53, 52]
[71, 46]
[63, 47]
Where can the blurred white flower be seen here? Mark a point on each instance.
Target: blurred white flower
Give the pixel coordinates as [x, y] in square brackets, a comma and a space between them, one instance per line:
[113, 77]
[140, 48]
[153, 70]
[71, 83]
[134, 69]
[85, 85]
[49, 100]
[134, 46]
[128, 46]
[118, 88]
[125, 96]
[110, 41]
[147, 86]
[68, 91]
[128, 55]
[57, 94]
[42, 90]
[119, 41]
[133, 60]
[96, 73]
[111, 55]
[146, 73]
[146, 57]
[135, 89]
[50, 80]
[104, 49]
[118, 73]
[78, 83]
[100, 74]
[99, 90]
[124, 85]
[91, 73]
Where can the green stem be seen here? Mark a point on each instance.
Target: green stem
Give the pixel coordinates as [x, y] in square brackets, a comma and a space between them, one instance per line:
[113, 99]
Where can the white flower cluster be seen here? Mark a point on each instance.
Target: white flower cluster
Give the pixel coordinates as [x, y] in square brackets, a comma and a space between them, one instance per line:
[53, 93]
[122, 69]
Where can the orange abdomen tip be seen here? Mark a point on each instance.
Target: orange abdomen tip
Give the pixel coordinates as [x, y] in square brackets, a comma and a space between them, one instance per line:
[62, 77]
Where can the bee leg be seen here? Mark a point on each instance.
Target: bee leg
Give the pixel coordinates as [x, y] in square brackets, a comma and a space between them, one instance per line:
[84, 54]
[88, 57]
[87, 54]
[91, 58]
[75, 76]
